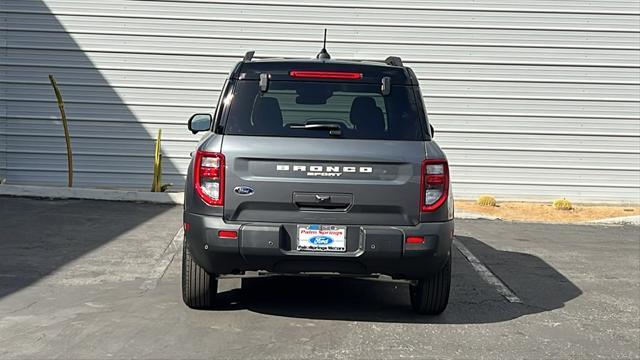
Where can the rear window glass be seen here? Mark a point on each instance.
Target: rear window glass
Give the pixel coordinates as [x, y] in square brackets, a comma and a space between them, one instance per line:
[318, 109]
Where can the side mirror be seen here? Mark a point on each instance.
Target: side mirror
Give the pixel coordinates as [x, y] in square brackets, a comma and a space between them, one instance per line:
[200, 122]
[433, 132]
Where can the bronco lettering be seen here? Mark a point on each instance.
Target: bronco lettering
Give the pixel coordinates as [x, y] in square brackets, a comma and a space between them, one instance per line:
[322, 170]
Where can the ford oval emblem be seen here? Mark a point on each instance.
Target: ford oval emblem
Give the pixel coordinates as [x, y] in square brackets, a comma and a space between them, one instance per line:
[321, 240]
[243, 190]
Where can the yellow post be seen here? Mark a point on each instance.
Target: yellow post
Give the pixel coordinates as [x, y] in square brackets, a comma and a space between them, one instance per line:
[65, 125]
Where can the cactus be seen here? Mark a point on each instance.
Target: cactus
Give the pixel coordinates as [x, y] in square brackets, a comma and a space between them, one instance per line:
[65, 126]
[486, 200]
[157, 165]
[562, 204]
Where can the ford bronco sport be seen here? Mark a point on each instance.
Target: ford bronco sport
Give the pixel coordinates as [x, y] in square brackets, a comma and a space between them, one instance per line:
[318, 166]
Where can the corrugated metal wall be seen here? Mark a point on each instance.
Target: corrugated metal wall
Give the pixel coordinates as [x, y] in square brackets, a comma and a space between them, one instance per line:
[529, 99]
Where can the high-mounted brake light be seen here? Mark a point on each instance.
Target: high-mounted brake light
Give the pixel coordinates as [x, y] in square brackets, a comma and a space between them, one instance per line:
[434, 184]
[325, 75]
[208, 177]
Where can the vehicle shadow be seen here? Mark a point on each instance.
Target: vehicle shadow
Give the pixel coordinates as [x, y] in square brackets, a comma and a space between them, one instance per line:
[540, 287]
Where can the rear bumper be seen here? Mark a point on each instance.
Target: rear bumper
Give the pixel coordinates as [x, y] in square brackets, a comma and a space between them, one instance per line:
[272, 247]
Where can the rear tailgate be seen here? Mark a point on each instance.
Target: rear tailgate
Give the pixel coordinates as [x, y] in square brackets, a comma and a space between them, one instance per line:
[330, 181]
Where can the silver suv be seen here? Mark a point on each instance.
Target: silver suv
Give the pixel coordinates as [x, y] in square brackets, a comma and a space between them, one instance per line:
[318, 166]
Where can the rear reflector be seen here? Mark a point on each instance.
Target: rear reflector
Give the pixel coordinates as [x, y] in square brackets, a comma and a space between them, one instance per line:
[325, 75]
[227, 234]
[414, 240]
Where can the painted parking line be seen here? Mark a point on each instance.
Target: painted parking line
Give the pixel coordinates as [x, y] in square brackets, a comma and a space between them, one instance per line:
[486, 274]
[163, 263]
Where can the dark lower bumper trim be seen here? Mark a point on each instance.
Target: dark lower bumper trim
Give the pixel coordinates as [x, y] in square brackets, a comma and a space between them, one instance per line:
[271, 247]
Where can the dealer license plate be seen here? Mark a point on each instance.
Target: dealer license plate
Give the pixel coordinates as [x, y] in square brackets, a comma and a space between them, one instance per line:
[331, 238]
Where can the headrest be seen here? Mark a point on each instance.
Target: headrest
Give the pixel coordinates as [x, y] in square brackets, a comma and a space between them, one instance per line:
[267, 116]
[367, 117]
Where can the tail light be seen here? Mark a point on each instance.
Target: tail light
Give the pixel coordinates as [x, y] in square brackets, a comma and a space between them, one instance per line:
[434, 184]
[208, 177]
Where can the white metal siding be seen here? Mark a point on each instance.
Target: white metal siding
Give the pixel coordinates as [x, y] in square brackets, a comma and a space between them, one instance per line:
[529, 99]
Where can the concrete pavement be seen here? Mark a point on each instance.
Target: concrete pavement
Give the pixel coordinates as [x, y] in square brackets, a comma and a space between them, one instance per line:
[92, 279]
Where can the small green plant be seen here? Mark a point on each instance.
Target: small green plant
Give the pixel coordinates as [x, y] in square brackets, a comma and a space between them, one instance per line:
[562, 204]
[486, 200]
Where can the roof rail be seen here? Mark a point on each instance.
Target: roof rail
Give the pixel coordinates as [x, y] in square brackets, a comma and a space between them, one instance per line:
[393, 60]
[248, 55]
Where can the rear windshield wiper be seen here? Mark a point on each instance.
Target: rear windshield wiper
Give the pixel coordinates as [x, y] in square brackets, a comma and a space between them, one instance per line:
[334, 128]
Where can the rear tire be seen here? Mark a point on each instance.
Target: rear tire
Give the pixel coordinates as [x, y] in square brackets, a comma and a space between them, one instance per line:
[430, 296]
[199, 288]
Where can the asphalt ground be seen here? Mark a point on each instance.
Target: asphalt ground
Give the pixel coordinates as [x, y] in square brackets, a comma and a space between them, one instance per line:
[91, 279]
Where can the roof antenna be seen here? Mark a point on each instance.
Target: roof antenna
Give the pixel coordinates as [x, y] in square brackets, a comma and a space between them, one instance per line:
[323, 54]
